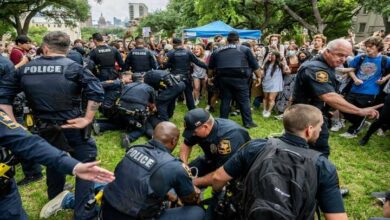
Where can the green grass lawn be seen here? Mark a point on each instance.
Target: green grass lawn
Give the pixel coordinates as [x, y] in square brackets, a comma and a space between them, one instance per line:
[361, 170]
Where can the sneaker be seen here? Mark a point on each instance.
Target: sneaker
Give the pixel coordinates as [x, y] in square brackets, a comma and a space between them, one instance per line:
[68, 186]
[279, 117]
[196, 102]
[380, 132]
[125, 142]
[207, 108]
[348, 135]
[234, 113]
[29, 179]
[53, 206]
[344, 192]
[251, 125]
[337, 125]
[267, 114]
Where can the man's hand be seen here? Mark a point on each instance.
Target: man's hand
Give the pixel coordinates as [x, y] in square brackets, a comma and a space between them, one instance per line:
[90, 171]
[381, 81]
[370, 112]
[77, 123]
[358, 82]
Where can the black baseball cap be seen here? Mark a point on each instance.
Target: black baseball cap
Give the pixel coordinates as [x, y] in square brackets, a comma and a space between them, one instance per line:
[176, 41]
[193, 119]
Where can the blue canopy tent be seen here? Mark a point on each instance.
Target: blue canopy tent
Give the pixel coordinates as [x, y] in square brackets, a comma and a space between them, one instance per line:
[219, 27]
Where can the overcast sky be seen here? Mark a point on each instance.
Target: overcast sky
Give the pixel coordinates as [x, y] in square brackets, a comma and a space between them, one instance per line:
[120, 8]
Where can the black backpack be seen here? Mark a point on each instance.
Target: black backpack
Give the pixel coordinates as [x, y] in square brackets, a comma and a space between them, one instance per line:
[281, 183]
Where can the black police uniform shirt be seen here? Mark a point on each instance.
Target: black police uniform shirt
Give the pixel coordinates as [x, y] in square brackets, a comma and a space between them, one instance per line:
[52, 86]
[112, 91]
[137, 94]
[225, 138]
[233, 57]
[313, 79]
[7, 72]
[105, 56]
[32, 147]
[179, 61]
[328, 192]
[140, 59]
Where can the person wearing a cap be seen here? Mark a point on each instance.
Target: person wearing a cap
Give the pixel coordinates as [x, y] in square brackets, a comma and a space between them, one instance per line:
[136, 101]
[232, 66]
[140, 59]
[179, 62]
[219, 139]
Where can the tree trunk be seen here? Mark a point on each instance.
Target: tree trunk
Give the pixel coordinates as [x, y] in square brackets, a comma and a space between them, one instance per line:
[300, 19]
[386, 23]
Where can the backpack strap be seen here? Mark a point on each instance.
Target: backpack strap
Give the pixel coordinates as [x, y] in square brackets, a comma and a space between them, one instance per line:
[383, 65]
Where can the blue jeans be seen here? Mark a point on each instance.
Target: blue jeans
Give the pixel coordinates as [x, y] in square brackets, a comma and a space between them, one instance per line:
[68, 201]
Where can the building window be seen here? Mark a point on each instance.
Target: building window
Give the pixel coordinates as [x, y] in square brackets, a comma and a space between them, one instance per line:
[141, 11]
[362, 27]
[131, 12]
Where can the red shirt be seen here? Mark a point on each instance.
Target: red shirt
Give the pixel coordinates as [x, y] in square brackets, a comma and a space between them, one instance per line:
[16, 55]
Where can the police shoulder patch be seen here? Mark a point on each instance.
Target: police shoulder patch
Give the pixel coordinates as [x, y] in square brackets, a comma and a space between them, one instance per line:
[187, 169]
[322, 76]
[7, 121]
[224, 147]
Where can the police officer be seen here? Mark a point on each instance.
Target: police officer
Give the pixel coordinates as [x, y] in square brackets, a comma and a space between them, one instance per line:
[168, 87]
[145, 176]
[179, 62]
[300, 131]
[140, 59]
[104, 57]
[31, 170]
[232, 66]
[53, 84]
[219, 139]
[15, 140]
[136, 101]
[112, 92]
[316, 85]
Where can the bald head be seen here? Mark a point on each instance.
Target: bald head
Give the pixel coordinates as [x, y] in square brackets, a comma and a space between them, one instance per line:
[167, 133]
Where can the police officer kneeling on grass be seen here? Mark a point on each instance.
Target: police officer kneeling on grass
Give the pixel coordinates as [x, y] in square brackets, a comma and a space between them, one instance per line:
[16, 141]
[135, 106]
[169, 87]
[145, 176]
[293, 176]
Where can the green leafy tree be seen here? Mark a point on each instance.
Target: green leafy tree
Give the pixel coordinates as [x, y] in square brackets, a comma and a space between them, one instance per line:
[36, 34]
[18, 13]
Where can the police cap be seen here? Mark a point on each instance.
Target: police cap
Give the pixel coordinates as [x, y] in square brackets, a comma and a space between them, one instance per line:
[193, 119]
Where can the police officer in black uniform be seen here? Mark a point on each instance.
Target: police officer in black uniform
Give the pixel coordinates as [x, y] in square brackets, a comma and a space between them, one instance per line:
[53, 85]
[316, 85]
[179, 62]
[300, 131]
[137, 100]
[232, 65]
[31, 170]
[144, 177]
[168, 87]
[219, 139]
[104, 57]
[140, 59]
[16, 141]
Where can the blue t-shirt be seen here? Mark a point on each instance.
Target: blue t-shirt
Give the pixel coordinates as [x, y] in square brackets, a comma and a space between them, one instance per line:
[369, 72]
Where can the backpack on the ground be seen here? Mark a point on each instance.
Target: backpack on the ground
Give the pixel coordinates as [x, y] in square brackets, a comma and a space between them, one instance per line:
[281, 183]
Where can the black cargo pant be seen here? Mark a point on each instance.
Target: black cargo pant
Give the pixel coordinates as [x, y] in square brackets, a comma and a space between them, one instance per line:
[361, 101]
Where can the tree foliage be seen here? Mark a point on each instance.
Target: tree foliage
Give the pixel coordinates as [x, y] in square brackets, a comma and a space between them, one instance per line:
[36, 34]
[18, 13]
[86, 32]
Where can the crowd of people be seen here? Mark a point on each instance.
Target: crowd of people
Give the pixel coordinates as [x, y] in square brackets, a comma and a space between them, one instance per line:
[135, 83]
